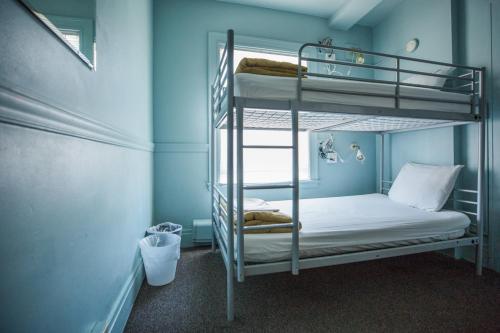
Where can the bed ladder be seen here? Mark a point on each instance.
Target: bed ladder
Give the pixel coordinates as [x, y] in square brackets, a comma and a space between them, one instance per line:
[241, 188]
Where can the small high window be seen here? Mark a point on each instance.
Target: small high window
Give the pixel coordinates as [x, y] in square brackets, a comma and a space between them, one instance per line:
[73, 37]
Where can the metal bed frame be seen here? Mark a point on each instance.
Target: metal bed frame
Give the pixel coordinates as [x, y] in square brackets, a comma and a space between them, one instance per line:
[232, 112]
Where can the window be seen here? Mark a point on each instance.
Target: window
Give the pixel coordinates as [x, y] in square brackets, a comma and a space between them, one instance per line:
[267, 165]
[73, 37]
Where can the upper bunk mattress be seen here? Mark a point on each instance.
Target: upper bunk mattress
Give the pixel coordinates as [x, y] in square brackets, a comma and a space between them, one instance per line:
[354, 223]
[285, 88]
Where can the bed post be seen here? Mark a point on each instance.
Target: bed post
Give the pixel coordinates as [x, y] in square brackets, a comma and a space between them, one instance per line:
[381, 164]
[295, 168]
[230, 175]
[239, 186]
[480, 174]
[212, 163]
[295, 191]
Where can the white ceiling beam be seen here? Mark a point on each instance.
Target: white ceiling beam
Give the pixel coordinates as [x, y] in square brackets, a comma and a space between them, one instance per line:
[351, 13]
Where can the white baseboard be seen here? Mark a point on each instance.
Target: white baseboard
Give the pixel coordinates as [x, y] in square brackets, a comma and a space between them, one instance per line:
[118, 316]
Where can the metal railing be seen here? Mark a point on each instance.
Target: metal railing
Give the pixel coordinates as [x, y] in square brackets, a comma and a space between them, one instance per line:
[455, 201]
[472, 77]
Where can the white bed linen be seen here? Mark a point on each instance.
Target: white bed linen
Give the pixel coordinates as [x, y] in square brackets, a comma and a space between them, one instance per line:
[354, 223]
[284, 88]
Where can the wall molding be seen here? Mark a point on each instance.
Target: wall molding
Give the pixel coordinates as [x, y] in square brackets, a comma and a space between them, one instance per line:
[181, 147]
[25, 111]
[120, 311]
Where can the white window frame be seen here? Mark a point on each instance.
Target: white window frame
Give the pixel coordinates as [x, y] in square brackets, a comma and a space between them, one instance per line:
[247, 43]
[84, 26]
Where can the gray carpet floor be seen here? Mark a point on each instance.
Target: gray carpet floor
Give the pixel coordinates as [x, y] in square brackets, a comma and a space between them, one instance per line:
[426, 292]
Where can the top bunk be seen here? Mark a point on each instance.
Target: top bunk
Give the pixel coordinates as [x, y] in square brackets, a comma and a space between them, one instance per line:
[407, 94]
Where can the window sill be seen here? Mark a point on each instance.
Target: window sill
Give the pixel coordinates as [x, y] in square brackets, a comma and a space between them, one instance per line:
[309, 183]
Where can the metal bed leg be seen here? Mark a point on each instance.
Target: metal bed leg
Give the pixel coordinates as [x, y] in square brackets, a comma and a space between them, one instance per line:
[230, 295]
[240, 246]
[230, 176]
[295, 189]
[381, 164]
[457, 253]
[480, 178]
[212, 163]
[214, 245]
[480, 204]
[480, 221]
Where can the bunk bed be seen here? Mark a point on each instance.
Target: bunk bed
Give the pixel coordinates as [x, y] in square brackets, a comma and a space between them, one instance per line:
[331, 102]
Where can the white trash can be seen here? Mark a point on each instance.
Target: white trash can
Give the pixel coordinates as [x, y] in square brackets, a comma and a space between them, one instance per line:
[165, 227]
[160, 254]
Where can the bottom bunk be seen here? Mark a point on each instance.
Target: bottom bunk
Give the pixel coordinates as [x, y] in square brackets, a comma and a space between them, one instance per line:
[337, 225]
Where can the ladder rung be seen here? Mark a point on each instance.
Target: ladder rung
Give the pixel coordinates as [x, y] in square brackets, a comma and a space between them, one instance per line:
[266, 187]
[464, 201]
[268, 226]
[466, 212]
[268, 147]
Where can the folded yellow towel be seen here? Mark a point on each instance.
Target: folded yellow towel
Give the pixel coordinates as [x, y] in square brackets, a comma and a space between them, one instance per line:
[274, 217]
[268, 67]
[258, 217]
[263, 218]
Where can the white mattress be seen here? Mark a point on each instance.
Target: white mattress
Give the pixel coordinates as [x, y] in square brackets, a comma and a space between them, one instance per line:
[354, 223]
[285, 88]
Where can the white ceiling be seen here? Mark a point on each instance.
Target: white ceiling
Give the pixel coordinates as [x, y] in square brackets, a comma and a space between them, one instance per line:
[377, 14]
[342, 14]
[321, 8]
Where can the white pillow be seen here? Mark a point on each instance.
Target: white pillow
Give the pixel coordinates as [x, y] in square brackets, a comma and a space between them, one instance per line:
[424, 186]
[430, 80]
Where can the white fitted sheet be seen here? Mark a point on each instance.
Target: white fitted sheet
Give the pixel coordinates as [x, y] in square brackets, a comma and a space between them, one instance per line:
[285, 88]
[354, 223]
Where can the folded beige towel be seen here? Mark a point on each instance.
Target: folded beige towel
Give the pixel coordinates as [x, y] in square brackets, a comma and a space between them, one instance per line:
[268, 67]
[263, 218]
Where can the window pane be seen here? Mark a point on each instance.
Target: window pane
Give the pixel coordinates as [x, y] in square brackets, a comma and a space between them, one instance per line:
[73, 37]
[267, 165]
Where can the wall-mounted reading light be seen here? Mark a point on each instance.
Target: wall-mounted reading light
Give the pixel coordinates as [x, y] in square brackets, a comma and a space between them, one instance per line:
[412, 45]
[327, 41]
[358, 58]
[331, 69]
[327, 151]
[359, 154]
[329, 54]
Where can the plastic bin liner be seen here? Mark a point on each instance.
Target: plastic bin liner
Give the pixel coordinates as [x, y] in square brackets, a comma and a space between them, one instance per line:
[165, 227]
[160, 254]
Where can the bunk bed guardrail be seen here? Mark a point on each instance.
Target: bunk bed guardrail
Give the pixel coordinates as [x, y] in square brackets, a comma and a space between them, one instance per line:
[471, 80]
[457, 201]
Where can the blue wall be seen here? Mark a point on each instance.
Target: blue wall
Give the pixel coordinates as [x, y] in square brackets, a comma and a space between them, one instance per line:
[452, 31]
[75, 170]
[430, 22]
[180, 102]
[427, 20]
